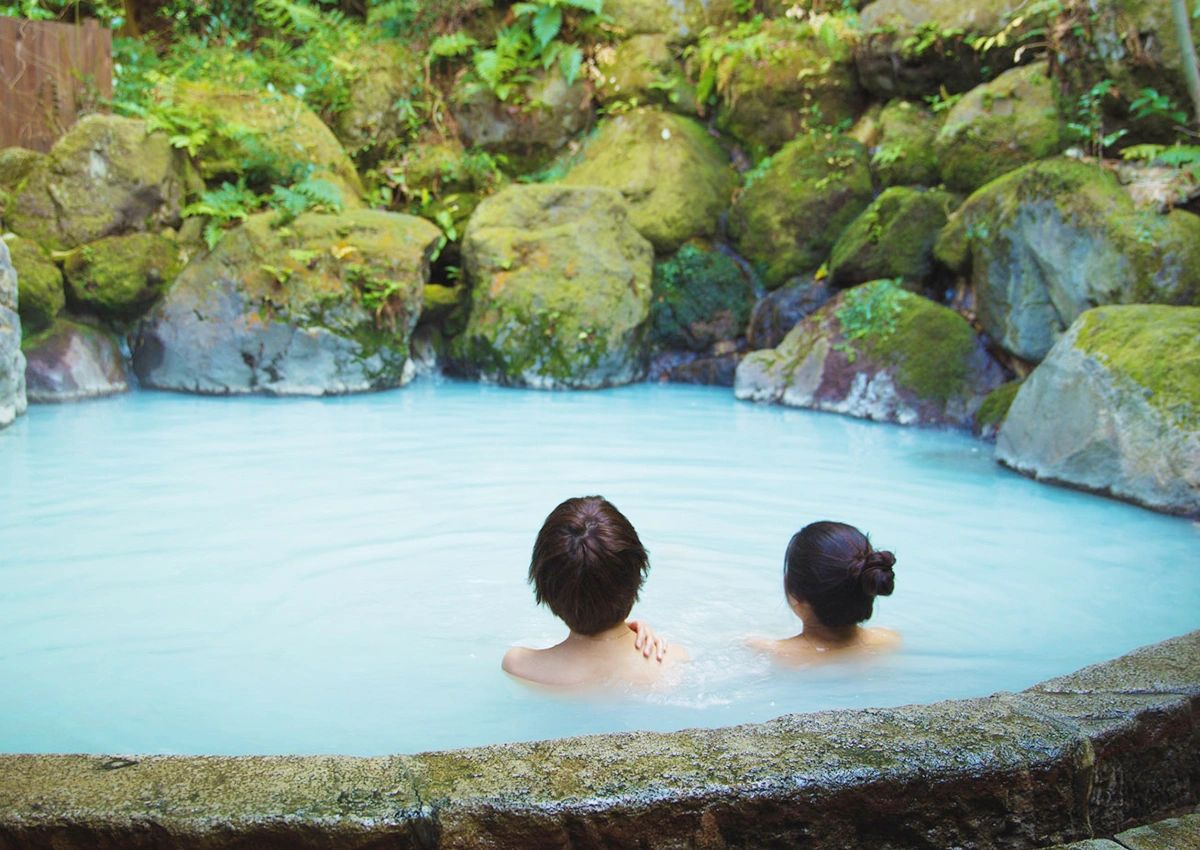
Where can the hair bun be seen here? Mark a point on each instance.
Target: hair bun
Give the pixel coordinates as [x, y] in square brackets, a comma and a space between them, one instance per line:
[877, 578]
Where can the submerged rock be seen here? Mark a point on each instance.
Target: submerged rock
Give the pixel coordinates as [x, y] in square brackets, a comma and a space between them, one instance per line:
[40, 283]
[72, 362]
[916, 47]
[892, 238]
[999, 126]
[12, 361]
[672, 173]
[119, 277]
[323, 306]
[877, 352]
[1115, 408]
[796, 204]
[701, 297]
[1046, 242]
[108, 175]
[560, 289]
[903, 153]
[777, 312]
[793, 81]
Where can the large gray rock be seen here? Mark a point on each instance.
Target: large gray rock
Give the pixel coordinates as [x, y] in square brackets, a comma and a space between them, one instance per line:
[12, 361]
[325, 306]
[1115, 408]
[1052, 239]
[777, 312]
[71, 362]
[876, 352]
[107, 175]
[560, 289]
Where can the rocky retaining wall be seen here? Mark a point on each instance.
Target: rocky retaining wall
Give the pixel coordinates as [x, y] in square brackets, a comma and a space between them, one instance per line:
[1074, 757]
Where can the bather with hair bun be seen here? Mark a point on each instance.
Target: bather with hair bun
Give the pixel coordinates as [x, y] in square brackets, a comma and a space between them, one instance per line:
[831, 577]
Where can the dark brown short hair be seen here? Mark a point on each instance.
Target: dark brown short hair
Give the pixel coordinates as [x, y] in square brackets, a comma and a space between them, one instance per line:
[588, 564]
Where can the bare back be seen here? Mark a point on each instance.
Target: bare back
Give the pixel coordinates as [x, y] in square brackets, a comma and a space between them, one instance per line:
[802, 650]
[582, 661]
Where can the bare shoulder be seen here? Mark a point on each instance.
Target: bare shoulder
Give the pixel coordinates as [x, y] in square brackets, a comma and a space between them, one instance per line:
[880, 639]
[518, 661]
[762, 644]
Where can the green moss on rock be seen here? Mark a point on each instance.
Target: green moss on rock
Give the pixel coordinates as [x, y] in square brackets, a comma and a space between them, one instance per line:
[991, 413]
[268, 137]
[892, 238]
[1155, 346]
[560, 289]
[928, 345]
[674, 176]
[378, 120]
[783, 80]
[106, 176]
[797, 203]
[642, 70]
[904, 153]
[119, 277]
[999, 126]
[16, 164]
[40, 285]
[699, 297]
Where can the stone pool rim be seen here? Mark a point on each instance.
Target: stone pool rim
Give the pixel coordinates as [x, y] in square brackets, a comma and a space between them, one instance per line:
[1073, 757]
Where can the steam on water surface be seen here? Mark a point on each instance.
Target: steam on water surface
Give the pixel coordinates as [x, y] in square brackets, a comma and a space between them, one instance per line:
[194, 575]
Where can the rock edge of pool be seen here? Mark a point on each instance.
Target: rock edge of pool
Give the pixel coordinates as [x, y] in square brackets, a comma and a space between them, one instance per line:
[1077, 756]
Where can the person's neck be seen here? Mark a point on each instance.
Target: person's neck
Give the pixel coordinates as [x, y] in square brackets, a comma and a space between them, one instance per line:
[601, 640]
[819, 634]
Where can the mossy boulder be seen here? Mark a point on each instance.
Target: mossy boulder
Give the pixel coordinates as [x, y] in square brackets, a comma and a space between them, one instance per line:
[267, 137]
[903, 154]
[643, 70]
[877, 352]
[321, 307]
[994, 410]
[12, 361]
[106, 176]
[16, 164]
[560, 289]
[376, 121]
[776, 313]
[999, 126]
[796, 204]
[786, 81]
[681, 19]
[1115, 408]
[672, 173]
[72, 362]
[119, 277]
[40, 283]
[1052, 239]
[529, 128]
[893, 238]
[700, 297]
[912, 48]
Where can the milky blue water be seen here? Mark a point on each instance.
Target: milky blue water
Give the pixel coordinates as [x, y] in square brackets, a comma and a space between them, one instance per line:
[199, 575]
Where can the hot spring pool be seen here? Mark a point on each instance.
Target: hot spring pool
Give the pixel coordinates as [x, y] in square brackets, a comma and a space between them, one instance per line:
[196, 575]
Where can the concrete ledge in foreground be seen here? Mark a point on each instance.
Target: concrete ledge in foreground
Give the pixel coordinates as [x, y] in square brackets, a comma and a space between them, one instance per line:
[1085, 754]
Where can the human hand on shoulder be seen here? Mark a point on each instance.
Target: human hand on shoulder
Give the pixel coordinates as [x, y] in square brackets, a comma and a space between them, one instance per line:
[646, 641]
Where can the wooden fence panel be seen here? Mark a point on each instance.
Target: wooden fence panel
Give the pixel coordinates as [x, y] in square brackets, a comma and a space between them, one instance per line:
[49, 73]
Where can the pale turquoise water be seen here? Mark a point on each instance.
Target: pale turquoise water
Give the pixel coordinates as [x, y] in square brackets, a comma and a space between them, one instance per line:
[196, 575]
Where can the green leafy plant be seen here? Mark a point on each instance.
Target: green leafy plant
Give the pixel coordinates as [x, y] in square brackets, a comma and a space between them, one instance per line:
[1183, 157]
[309, 194]
[231, 202]
[1150, 104]
[1087, 124]
[869, 311]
